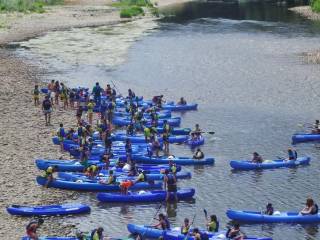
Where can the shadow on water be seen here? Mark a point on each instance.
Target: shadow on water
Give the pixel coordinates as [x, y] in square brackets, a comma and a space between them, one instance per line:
[246, 10]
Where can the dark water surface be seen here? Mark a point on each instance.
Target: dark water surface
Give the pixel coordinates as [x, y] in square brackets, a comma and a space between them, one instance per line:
[242, 63]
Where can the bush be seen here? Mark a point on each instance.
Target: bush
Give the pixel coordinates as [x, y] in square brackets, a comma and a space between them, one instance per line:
[129, 12]
[26, 5]
[315, 5]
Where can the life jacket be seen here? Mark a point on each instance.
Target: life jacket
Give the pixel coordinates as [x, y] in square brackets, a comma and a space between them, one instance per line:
[112, 179]
[173, 168]
[315, 210]
[171, 180]
[48, 171]
[185, 230]
[147, 132]
[142, 177]
[94, 234]
[36, 92]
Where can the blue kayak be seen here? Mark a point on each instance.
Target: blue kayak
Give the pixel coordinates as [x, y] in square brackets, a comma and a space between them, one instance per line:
[76, 166]
[176, 131]
[162, 114]
[122, 122]
[177, 107]
[103, 174]
[176, 235]
[177, 160]
[49, 210]
[144, 196]
[196, 142]
[277, 217]
[139, 138]
[305, 137]
[88, 185]
[150, 232]
[52, 238]
[269, 164]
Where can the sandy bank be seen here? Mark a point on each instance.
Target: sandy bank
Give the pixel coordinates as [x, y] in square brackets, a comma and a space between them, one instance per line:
[166, 3]
[306, 11]
[18, 26]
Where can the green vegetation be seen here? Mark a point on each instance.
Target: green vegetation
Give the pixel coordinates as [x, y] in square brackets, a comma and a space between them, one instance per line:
[26, 5]
[315, 5]
[131, 11]
[131, 8]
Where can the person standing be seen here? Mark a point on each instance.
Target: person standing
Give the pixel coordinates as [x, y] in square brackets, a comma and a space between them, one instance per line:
[47, 109]
[170, 184]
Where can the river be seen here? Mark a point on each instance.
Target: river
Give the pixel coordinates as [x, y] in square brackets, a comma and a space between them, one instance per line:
[242, 63]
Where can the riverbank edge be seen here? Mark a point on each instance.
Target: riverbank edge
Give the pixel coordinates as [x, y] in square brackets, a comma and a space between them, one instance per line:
[312, 57]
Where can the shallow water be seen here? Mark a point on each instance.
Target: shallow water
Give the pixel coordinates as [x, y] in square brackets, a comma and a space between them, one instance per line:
[243, 65]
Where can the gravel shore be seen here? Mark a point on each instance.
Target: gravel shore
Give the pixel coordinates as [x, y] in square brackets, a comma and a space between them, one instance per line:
[24, 137]
[306, 11]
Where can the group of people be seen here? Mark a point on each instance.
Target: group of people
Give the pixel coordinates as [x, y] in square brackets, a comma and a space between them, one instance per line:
[34, 225]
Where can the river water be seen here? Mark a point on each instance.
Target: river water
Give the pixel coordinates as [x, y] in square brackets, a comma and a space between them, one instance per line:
[242, 63]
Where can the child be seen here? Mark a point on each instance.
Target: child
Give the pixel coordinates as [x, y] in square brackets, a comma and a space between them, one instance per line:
[36, 95]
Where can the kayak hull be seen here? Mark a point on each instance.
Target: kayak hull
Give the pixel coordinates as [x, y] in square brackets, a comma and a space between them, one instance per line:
[50, 210]
[93, 185]
[196, 142]
[248, 165]
[141, 138]
[305, 137]
[285, 217]
[186, 107]
[179, 160]
[149, 196]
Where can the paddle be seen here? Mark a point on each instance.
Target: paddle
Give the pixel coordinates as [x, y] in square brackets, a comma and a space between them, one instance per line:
[205, 213]
[188, 234]
[150, 226]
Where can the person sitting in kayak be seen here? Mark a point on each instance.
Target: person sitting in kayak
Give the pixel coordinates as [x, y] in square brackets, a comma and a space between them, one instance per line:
[213, 224]
[311, 208]
[292, 154]
[182, 101]
[141, 176]
[106, 161]
[257, 158]
[235, 233]
[269, 209]
[32, 227]
[186, 226]
[316, 127]
[112, 179]
[170, 184]
[48, 174]
[164, 223]
[97, 234]
[198, 154]
[130, 129]
[197, 131]
[131, 94]
[157, 101]
[196, 234]
[125, 185]
[92, 171]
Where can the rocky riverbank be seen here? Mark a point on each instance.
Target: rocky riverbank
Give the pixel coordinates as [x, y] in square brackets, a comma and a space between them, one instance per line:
[306, 11]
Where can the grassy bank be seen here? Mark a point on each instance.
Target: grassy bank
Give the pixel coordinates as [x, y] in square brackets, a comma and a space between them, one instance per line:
[315, 5]
[26, 5]
[131, 8]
